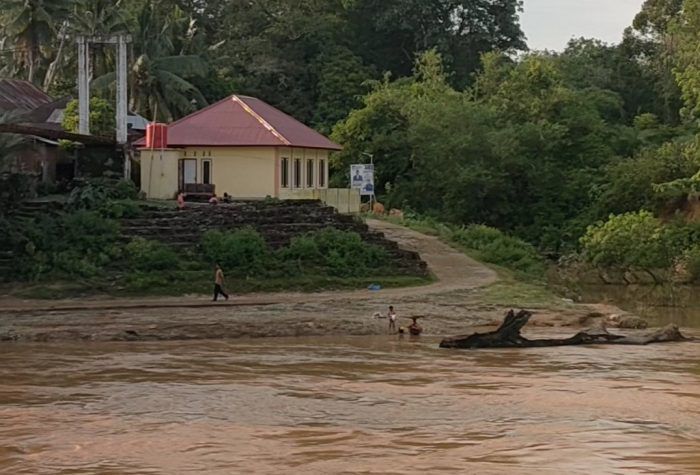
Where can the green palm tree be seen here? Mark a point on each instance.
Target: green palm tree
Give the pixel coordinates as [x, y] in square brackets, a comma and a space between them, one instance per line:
[31, 26]
[160, 75]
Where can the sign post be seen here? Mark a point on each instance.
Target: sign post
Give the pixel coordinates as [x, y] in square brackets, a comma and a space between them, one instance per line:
[362, 178]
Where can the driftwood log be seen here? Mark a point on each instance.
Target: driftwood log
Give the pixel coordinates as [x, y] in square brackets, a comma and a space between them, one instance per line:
[508, 336]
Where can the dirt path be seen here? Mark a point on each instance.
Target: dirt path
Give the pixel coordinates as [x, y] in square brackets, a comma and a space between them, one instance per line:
[453, 272]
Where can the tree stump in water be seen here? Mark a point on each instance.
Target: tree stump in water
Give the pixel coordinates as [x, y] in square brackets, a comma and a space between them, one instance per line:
[508, 336]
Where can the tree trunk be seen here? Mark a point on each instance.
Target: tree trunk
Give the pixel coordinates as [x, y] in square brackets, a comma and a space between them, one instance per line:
[508, 336]
[53, 67]
[31, 60]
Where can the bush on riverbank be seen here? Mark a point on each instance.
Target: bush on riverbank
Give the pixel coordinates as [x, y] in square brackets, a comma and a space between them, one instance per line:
[74, 244]
[495, 247]
[80, 249]
[329, 252]
[243, 253]
[641, 242]
[145, 255]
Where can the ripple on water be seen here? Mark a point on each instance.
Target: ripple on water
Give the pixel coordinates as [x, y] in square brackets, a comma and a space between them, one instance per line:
[347, 405]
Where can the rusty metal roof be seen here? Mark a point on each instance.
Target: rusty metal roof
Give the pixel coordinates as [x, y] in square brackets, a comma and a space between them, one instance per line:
[40, 130]
[242, 121]
[16, 94]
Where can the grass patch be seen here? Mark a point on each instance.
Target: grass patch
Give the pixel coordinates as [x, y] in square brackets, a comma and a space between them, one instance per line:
[201, 283]
[518, 294]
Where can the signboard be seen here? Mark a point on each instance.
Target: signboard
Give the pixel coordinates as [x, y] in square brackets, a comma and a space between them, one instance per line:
[362, 178]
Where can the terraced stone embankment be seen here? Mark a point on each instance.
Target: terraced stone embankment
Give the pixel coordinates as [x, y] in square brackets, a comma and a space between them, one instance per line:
[277, 222]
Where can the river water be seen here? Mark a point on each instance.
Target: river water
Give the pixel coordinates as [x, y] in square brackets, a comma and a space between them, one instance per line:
[660, 304]
[347, 405]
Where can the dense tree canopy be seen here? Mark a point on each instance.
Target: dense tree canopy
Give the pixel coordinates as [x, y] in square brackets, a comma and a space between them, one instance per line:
[308, 57]
[546, 144]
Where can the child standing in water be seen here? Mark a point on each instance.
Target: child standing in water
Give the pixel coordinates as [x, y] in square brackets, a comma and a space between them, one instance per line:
[392, 318]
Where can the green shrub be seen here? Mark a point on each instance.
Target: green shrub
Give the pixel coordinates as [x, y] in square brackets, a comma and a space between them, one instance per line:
[14, 187]
[690, 261]
[96, 192]
[243, 252]
[74, 264]
[495, 247]
[86, 231]
[75, 244]
[339, 253]
[119, 209]
[633, 240]
[146, 255]
[302, 249]
[478, 236]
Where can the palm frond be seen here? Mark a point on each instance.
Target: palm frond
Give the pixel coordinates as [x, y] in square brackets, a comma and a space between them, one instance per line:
[104, 83]
[187, 66]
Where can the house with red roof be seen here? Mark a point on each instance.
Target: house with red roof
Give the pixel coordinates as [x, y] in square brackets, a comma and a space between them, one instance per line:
[240, 146]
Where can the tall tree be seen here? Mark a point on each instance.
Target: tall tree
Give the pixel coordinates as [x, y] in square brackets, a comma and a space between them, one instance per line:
[31, 25]
[687, 32]
[160, 75]
[389, 33]
[653, 43]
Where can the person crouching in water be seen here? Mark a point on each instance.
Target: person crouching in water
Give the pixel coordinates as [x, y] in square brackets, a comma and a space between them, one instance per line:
[392, 318]
[219, 284]
[414, 328]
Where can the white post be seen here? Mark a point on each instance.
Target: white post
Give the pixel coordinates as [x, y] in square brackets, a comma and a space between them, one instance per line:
[83, 87]
[122, 97]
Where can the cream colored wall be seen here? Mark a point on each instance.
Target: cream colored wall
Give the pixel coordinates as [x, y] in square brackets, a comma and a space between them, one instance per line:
[245, 172]
[159, 173]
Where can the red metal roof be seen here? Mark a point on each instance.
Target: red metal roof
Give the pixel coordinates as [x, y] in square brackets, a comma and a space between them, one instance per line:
[16, 94]
[242, 121]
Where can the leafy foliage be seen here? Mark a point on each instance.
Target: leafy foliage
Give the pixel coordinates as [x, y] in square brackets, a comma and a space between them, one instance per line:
[686, 29]
[243, 252]
[145, 255]
[690, 260]
[520, 136]
[102, 118]
[73, 244]
[14, 187]
[631, 241]
[334, 252]
[328, 252]
[96, 192]
[497, 248]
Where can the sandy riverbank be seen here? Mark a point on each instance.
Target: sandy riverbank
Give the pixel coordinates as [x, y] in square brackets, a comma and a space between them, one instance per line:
[461, 299]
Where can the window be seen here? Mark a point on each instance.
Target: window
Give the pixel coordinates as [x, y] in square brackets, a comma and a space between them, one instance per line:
[297, 173]
[321, 173]
[310, 174]
[284, 172]
[206, 172]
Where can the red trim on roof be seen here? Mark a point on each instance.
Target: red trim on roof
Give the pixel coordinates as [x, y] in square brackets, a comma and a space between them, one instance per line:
[242, 121]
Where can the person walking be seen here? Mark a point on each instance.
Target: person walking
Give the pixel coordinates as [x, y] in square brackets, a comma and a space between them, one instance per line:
[219, 284]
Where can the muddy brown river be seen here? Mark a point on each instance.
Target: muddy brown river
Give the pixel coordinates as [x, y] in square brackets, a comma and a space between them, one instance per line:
[347, 405]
